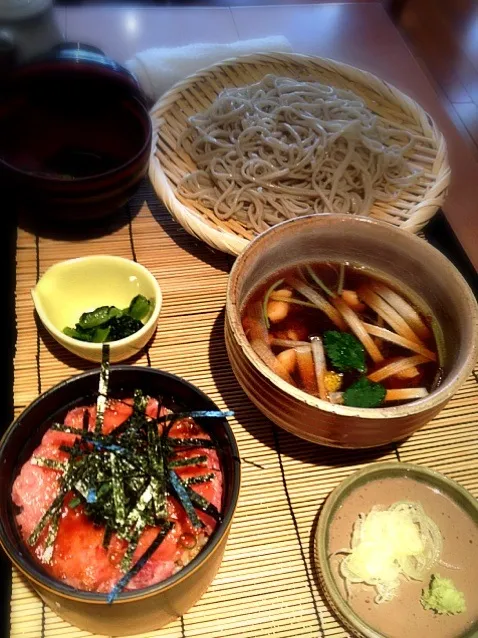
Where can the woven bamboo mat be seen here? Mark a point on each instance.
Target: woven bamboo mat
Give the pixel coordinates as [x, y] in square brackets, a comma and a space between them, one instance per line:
[266, 585]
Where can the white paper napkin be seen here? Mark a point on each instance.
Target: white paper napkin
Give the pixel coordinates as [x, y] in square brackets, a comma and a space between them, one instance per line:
[158, 69]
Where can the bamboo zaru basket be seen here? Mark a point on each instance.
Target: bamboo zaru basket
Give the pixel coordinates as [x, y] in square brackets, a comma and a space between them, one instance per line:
[169, 162]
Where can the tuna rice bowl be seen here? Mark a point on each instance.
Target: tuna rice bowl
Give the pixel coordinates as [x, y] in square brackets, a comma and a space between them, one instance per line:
[122, 492]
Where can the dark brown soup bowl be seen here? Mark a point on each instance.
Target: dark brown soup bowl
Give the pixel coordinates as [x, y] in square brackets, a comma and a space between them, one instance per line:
[75, 135]
[132, 611]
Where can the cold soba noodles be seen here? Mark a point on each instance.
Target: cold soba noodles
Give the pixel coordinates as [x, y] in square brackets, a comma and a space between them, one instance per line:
[282, 148]
[341, 334]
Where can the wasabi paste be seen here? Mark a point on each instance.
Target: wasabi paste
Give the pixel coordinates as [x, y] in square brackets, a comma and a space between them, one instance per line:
[443, 597]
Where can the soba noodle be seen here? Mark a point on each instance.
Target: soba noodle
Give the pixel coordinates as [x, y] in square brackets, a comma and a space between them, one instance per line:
[282, 148]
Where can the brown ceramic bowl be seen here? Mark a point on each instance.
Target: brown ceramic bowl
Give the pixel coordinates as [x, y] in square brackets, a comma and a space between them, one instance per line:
[134, 611]
[75, 135]
[430, 281]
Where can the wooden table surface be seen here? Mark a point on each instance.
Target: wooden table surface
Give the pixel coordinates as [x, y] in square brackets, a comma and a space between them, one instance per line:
[359, 33]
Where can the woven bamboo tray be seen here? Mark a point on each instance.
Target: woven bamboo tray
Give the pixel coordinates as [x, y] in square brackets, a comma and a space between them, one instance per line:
[169, 163]
[267, 585]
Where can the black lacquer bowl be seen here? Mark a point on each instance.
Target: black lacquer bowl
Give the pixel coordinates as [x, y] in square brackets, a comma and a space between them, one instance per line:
[133, 611]
[75, 134]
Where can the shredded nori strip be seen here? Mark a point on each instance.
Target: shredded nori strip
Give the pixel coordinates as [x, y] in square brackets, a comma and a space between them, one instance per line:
[133, 544]
[183, 496]
[50, 539]
[197, 480]
[121, 584]
[175, 442]
[86, 420]
[66, 484]
[186, 462]
[203, 504]
[52, 464]
[107, 536]
[118, 492]
[196, 414]
[158, 483]
[103, 387]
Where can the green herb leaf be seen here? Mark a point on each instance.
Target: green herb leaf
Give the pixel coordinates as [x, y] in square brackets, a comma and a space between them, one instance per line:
[100, 334]
[344, 351]
[139, 307]
[92, 335]
[78, 333]
[364, 394]
[98, 317]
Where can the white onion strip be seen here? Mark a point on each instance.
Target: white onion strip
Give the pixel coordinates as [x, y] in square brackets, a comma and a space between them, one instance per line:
[396, 366]
[288, 343]
[279, 296]
[318, 300]
[318, 354]
[389, 314]
[404, 309]
[388, 335]
[405, 394]
[356, 325]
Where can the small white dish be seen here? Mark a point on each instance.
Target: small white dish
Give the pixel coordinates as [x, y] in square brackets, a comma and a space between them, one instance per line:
[70, 288]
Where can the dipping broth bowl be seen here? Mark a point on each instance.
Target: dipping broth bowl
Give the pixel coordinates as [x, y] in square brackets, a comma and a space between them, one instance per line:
[428, 279]
[139, 610]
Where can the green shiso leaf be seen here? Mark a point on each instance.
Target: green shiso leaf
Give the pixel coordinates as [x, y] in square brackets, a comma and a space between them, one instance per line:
[344, 351]
[364, 394]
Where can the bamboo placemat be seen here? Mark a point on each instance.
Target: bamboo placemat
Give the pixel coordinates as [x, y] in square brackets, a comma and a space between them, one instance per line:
[266, 585]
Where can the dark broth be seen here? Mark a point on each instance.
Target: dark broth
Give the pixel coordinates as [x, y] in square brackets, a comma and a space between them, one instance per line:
[302, 323]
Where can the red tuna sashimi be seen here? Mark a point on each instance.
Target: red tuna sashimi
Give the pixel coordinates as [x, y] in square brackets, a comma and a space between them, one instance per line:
[212, 490]
[79, 558]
